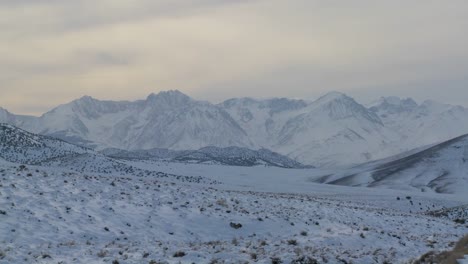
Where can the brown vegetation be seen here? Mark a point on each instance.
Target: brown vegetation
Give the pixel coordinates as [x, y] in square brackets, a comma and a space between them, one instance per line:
[446, 257]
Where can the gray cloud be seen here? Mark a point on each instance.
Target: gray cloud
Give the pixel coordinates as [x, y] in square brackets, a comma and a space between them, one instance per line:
[54, 51]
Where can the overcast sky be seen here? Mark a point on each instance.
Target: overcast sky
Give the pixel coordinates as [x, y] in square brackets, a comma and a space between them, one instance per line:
[54, 51]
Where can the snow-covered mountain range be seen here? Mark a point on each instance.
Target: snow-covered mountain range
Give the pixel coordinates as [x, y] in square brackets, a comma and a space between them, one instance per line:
[330, 131]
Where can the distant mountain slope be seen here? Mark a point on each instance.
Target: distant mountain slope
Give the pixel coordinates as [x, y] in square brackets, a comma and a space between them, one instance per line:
[142, 154]
[333, 130]
[236, 156]
[165, 120]
[442, 168]
[421, 124]
[233, 156]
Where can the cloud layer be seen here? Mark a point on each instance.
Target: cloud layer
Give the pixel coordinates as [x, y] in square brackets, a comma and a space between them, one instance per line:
[53, 51]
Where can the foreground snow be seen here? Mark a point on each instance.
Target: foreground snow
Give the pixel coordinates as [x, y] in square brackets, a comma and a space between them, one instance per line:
[56, 216]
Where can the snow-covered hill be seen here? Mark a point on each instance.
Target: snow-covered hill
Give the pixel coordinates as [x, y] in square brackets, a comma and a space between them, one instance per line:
[17, 145]
[442, 168]
[234, 156]
[333, 130]
[142, 154]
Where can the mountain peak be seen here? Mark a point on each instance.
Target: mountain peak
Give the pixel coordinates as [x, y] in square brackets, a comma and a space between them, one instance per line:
[336, 98]
[171, 97]
[168, 93]
[85, 101]
[340, 106]
[3, 110]
[393, 104]
[432, 103]
[394, 100]
[86, 98]
[333, 96]
[240, 101]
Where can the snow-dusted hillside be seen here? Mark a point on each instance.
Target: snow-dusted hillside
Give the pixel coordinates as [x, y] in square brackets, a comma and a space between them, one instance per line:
[17, 145]
[235, 156]
[239, 157]
[142, 154]
[333, 130]
[442, 168]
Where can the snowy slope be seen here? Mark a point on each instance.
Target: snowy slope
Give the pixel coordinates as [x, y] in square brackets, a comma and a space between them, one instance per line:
[442, 168]
[17, 145]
